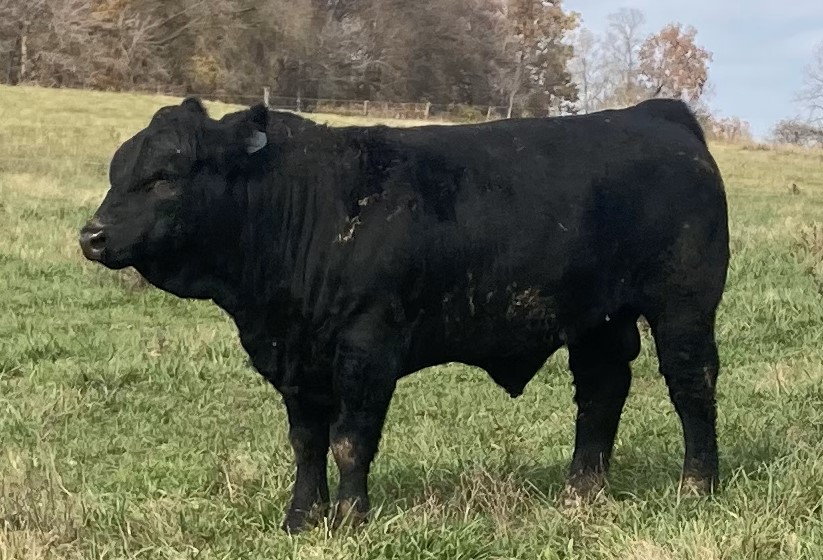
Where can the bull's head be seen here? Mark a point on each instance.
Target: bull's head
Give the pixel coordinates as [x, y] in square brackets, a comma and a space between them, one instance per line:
[162, 181]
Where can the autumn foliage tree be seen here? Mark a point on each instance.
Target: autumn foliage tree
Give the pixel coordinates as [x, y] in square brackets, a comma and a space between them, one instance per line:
[534, 41]
[672, 64]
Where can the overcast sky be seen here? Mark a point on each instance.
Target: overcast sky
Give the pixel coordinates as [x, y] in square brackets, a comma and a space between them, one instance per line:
[760, 47]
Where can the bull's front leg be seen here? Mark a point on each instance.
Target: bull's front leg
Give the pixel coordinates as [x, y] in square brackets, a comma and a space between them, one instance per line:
[309, 437]
[365, 377]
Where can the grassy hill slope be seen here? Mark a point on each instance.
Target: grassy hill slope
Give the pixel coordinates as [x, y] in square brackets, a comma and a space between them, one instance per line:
[131, 426]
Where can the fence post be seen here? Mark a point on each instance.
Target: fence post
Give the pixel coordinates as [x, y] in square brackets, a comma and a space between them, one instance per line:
[428, 109]
[366, 108]
[489, 113]
[266, 96]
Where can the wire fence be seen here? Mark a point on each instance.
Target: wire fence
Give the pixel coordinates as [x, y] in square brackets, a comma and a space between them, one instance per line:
[67, 148]
[407, 110]
[454, 112]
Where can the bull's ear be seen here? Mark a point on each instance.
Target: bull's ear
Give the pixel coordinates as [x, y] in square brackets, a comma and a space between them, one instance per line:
[256, 142]
[257, 138]
[237, 135]
[194, 105]
[259, 118]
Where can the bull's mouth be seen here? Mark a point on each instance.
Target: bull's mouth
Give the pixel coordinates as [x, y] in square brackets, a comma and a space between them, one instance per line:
[113, 263]
[108, 259]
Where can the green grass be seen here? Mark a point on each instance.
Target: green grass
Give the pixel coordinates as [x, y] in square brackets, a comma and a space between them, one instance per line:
[132, 427]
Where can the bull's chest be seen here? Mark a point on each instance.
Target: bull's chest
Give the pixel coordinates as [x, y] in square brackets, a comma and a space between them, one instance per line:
[289, 358]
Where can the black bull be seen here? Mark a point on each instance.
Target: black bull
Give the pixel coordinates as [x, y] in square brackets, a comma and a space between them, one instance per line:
[351, 257]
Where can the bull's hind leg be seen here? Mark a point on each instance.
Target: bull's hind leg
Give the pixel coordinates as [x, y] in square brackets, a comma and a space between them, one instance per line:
[688, 361]
[600, 363]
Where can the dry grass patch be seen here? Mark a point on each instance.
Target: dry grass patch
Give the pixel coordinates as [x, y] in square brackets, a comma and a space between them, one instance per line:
[236, 471]
[505, 499]
[789, 376]
[646, 550]
[38, 515]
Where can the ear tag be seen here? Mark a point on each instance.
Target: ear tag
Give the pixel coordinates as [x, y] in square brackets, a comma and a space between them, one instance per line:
[257, 142]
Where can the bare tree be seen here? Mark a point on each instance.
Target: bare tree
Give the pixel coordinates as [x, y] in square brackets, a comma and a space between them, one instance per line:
[621, 45]
[811, 94]
[16, 20]
[589, 70]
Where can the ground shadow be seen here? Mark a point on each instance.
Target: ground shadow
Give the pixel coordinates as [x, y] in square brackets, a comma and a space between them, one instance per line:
[636, 474]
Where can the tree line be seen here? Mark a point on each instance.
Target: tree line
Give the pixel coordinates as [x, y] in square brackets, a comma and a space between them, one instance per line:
[499, 52]
[529, 56]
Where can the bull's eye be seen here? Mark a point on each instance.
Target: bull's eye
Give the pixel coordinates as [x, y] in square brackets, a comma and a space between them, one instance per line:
[164, 188]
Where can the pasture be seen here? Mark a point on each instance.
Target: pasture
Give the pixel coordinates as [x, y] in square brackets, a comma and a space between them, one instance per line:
[131, 425]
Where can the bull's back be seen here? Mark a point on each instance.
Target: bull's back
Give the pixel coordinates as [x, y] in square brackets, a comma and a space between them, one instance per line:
[574, 191]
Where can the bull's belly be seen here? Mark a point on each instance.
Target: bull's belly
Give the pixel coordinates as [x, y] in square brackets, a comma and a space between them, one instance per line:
[512, 351]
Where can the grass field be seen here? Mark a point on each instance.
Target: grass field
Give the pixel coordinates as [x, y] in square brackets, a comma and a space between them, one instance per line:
[132, 427]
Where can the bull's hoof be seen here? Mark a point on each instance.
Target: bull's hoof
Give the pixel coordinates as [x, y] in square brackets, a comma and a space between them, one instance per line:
[692, 485]
[349, 514]
[295, 523]
[299, 520]
[582, 489]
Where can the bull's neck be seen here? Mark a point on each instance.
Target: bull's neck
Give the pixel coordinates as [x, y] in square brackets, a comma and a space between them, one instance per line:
[283, 234]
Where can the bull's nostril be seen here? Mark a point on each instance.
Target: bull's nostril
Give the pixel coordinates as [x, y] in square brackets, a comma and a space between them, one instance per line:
[97, 239]
[93, 241]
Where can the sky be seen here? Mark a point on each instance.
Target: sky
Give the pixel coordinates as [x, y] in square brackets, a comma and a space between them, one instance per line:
[760, 48]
